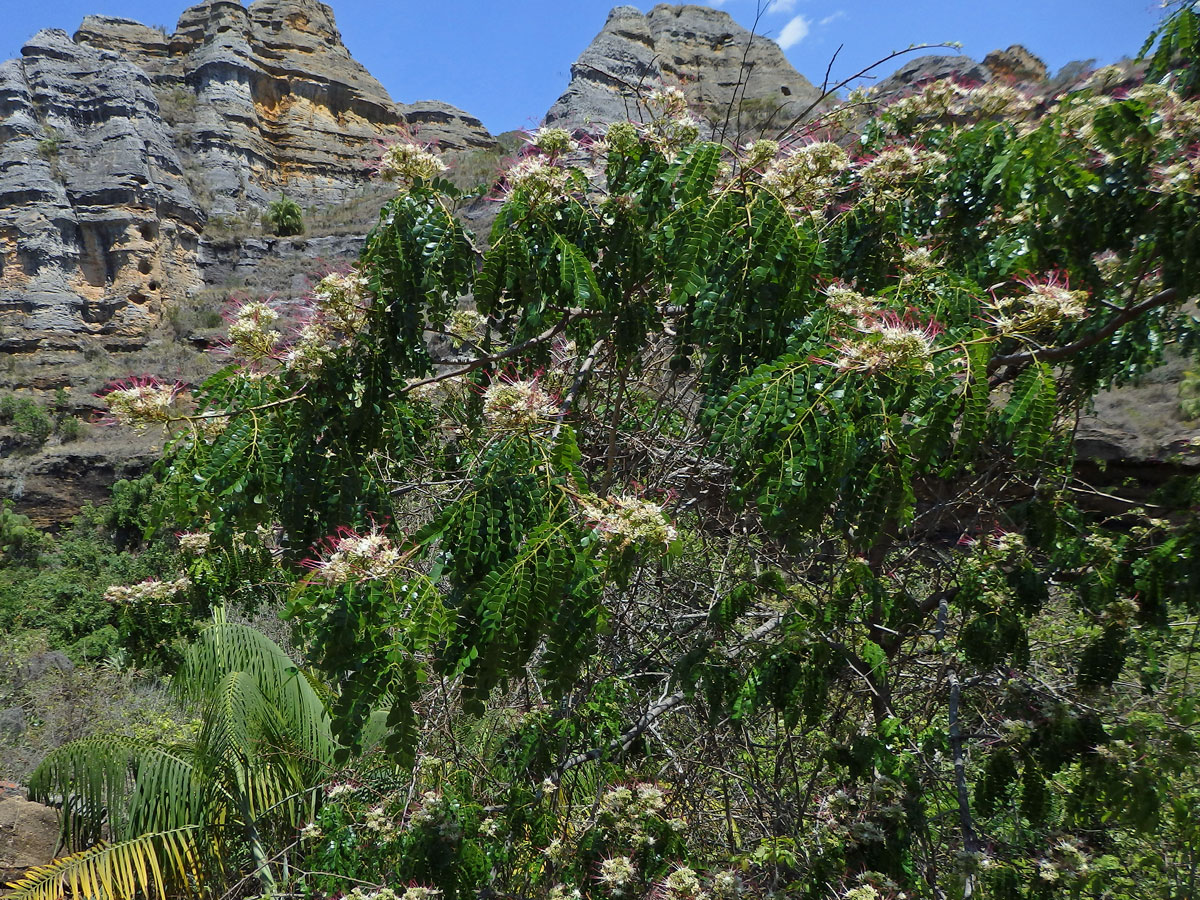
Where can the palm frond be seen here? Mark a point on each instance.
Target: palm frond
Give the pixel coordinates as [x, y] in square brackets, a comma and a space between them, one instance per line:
[143, 866]
[126, 786]
[244, 749]
[223, 648]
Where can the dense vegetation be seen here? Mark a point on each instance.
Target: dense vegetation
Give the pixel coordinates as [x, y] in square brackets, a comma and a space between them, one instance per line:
[742, 553]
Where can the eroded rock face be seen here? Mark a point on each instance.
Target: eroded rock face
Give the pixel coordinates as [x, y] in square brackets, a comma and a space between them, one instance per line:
[28, 835]
[117, 145]
[96, 217]
[696, 48]
[267, 98]
[1015, 64]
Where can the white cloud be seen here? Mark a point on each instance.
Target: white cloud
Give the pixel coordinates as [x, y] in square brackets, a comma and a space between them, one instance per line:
[793, 32]
[781, 6]
[830, 19]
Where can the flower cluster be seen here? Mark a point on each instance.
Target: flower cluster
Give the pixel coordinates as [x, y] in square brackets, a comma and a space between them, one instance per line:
[552, 141]
[146, 591]
[760, 154]
[808, 176]
[894, 169]
[1179, 177]
[616, 873]
[888, 342]
[407, 163]
[682, 884]
[353, 557]
[919, 260]
[435, 811]
[422, 390]
[309, 350]
[1043, 304]
[467, 325]
[514, 405]
[622, 138]
[931, 104]
[250, 333]
[626, 521]
[843, 299]
[342, 301]
[538, 180]
[944, 101]
[141, 401]
[671, 127]
[194, 543]
[378, 821]
[993, 100]
[668, 101]
[727, 883]
[412, 892]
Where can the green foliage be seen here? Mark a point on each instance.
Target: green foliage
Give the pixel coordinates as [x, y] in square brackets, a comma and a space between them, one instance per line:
[27, 417]
[182, 812]
[19, 539]
[285, 217]
[757, 476]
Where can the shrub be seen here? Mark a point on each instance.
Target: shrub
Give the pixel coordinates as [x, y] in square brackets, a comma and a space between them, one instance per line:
[285, 217]
[70, 429]
[32, 421]
[19, 539]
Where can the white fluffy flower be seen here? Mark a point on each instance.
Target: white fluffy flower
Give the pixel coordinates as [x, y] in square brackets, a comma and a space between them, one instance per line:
[407, 163]
[514, 405]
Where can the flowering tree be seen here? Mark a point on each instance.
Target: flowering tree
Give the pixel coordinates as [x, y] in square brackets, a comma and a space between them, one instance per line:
[751, 473]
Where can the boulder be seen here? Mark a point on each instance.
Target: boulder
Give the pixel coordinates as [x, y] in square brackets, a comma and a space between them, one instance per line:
[29, 836]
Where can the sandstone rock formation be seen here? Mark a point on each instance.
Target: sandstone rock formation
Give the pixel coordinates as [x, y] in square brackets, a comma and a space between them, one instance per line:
[718, 64]
[267, 98]
[97, 222]
[28, 835]
[125, 152]
[932, 67]
[1015, 64]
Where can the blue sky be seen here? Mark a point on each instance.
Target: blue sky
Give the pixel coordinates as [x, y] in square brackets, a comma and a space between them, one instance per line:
[507, 62]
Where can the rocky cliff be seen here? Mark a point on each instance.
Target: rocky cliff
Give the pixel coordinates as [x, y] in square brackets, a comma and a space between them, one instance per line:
[117, 145]
[720, 66]
[267, 98]
[131, 158]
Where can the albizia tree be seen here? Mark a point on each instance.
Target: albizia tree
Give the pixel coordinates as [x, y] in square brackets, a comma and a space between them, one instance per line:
[752, 479]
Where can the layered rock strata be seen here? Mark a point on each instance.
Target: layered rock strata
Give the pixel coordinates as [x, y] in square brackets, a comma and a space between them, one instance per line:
[267, 98]
[97, 223]
[721, 67]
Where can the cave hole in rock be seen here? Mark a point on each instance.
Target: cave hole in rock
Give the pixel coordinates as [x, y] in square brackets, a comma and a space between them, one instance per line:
[144, 266]
[95, 260]
[137, 297]
[147, 231]
[153, 285]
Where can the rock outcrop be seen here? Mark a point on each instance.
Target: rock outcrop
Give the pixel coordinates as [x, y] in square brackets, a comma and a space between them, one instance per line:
[97, 223]
[126, 154]
[719, 65]
[1015, 64]
[267, 98]
[28, 834]
[115, 147]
